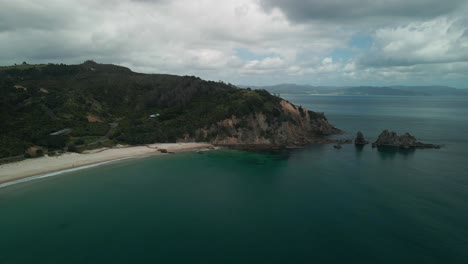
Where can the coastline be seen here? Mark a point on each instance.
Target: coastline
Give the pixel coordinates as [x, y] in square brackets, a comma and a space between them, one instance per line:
[40, 167]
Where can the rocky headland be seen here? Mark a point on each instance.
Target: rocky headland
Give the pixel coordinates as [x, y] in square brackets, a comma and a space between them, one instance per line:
[259, 131]
[56, 107]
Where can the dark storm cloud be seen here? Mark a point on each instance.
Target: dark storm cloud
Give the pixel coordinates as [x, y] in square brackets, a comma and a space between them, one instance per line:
[342, 10]
[14, 17]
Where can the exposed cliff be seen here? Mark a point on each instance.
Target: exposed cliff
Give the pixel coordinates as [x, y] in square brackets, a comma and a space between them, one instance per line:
[294, 127]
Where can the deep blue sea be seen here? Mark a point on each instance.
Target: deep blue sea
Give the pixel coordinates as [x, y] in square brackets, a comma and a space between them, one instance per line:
[313, 205]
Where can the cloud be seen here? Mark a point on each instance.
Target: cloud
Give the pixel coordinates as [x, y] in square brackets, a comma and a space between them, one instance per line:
[345, 10]
[266, 65]
[167, 36]
[435, 41]
[246, 41]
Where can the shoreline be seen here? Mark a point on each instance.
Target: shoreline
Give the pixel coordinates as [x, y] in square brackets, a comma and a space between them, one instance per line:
[37, 168]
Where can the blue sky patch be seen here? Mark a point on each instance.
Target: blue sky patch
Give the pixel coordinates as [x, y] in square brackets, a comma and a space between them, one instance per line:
[248, 55]
[361, 42]
[343, 54]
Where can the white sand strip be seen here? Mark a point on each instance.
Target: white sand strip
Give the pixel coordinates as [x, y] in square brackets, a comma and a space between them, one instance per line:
[44, 165]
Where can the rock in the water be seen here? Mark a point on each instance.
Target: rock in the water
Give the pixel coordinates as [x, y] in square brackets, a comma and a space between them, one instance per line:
[360, 140]
[406, 141]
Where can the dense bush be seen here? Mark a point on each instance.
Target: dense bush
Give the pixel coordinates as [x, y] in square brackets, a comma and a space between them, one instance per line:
[115, 94]
[72, 148]
[79, 142]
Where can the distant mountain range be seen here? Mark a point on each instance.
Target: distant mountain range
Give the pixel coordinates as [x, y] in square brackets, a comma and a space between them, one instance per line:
[364, 90]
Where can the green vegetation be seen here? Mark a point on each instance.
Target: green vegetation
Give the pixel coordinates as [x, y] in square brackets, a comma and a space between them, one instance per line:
[37, 100]
[39, 153]
[23, 66]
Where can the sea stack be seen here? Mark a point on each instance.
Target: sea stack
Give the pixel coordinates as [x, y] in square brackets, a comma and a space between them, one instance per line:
[406, 141]
[360, 140]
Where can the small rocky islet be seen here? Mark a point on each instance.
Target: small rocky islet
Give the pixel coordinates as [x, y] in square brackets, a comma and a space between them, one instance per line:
[360, 140]
[405, 141]
[388, 139]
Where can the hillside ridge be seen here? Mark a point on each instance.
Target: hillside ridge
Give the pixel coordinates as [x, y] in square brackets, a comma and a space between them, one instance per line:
[395, 90]
[74, 107]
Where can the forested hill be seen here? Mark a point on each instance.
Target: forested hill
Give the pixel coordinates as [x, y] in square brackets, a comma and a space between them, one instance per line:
[80, 106]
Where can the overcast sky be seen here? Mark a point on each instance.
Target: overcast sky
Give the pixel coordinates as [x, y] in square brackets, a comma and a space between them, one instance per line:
[251, 42]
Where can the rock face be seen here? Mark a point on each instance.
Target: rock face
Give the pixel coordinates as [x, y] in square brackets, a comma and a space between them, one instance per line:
[360, 140]
[297, 127]
[406, 141]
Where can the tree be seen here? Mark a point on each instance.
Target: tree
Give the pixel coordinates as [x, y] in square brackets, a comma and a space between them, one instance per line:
[79, 141]
[73, 148]
[39, 153]
[55, 142]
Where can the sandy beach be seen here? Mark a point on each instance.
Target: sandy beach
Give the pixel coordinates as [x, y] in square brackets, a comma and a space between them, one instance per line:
[37, 166]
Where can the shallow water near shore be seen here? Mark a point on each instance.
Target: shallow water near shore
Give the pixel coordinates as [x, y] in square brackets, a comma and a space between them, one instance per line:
[313, 205]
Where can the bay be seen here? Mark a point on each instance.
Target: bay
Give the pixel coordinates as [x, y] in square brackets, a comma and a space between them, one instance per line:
[313, 205]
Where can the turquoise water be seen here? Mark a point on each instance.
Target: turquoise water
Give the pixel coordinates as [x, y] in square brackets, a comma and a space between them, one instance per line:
[314, 205]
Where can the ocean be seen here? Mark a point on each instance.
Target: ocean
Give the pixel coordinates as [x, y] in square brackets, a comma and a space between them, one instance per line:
[313, 205]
